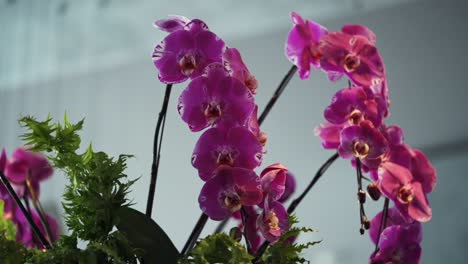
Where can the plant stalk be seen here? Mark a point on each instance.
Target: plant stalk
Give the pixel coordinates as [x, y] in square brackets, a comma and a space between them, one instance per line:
[158, 135]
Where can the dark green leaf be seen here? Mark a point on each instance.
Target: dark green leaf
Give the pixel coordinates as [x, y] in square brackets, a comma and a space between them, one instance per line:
[144, 233]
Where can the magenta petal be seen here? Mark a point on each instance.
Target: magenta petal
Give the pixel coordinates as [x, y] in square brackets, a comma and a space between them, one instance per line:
[228, 190]
[211, 45]
[344, 102]
[289, 187]
[273, 180]
[393, 218]
[236, 147]
[302, 45]
[397, 246]
[273, 222]
[215, 90]
[191, 103]
[394, 135]
[173, 23]
[251, 229]
[360, 30]
[423, 171]
[334, 76]
[330, 135]
[419, 208]
[3, 160]
[392, 177]
[169, 69]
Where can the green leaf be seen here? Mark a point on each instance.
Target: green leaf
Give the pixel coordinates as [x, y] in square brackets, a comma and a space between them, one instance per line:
[218, 248]
[6, 225]
[144, 233]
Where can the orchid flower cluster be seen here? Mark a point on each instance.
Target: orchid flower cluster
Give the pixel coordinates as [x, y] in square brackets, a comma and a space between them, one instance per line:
[355, 127]
[26, 170]
[220, 97]
[219, 101]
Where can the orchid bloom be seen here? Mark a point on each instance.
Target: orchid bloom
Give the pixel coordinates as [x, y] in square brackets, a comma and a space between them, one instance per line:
[184, 54]
[235, 147]
[302, 45]
[25, 170]
[399, 244]
[364, 142]
[229, 190]
[353, 55]
[215, 99]
[398, 184]
[273, 221]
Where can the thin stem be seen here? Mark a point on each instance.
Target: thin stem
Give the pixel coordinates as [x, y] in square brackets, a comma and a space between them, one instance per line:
[244, 223]
[277, 94]
[195, 233]
[28, 208]
[37, 205]
[299, 199]
[317, 176]
[221, 226]
[383, 223]
[157, 150]
[361, 198]
[45, 223]
[28, 216]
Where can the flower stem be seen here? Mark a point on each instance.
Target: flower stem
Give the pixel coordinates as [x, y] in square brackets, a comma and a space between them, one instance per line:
[299, 199]
[383, 224]
[317, 176]
[195, 233]
[28, 216]
[361, 198]
[244, 223]
[277, 94]
[158, 135]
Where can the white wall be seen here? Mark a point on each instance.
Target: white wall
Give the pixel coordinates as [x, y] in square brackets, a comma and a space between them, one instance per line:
[424, 47]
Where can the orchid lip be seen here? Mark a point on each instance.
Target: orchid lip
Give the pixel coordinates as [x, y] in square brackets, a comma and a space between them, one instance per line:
[188, 64]
[351, 62]
[361, 149]
[273, 222]
[405, 194]
[213, 111]
[225, 157]
[232, 201]
[355, 117]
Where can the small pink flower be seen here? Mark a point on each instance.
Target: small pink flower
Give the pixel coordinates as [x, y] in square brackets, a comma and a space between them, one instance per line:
[273, 222]
[353, 55]
[234, 147]
[25, 170]
[215, 99]
[399, 185]
[364, 142]
[302, 45]
[229, 190]
[273, 180]
[184, 54]
[330, 135]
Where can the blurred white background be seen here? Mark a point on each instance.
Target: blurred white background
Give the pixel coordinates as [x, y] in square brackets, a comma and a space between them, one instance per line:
[93, 59]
